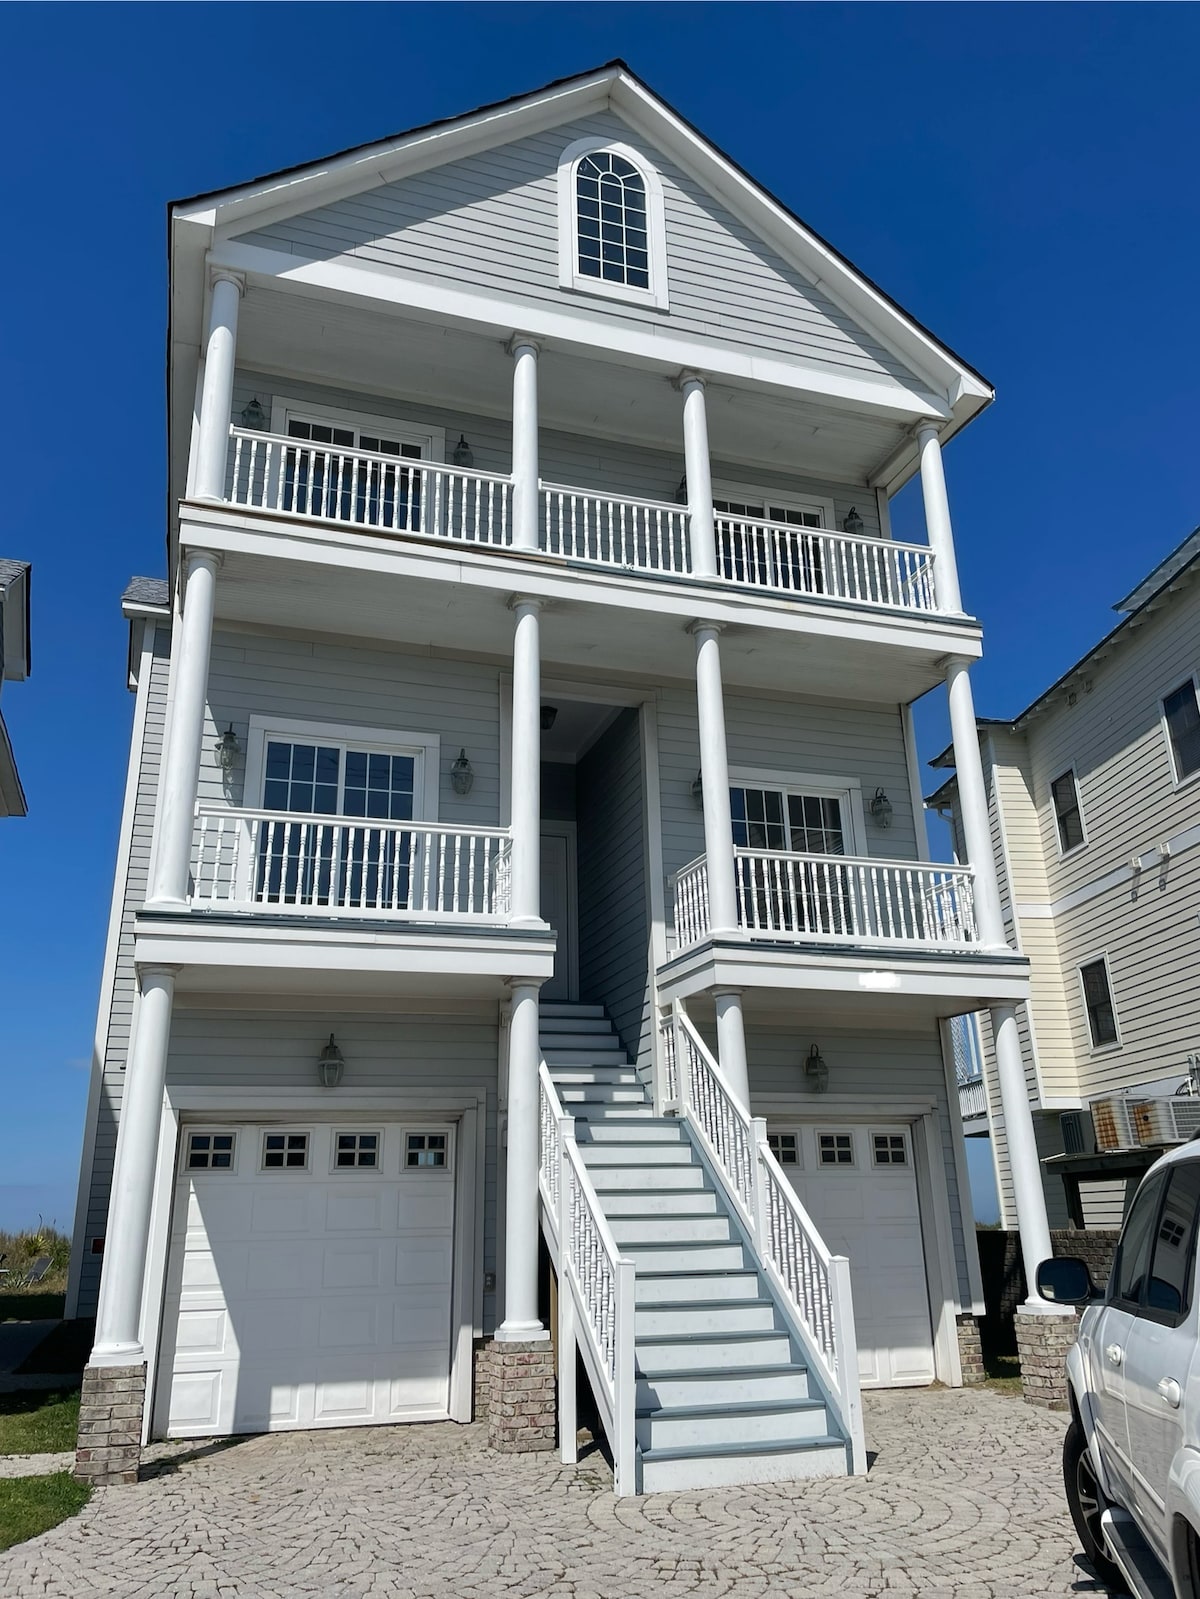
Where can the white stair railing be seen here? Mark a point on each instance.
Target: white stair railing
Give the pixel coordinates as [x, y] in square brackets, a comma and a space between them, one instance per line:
[596, 1291]
[640, 535]
[813, 1285]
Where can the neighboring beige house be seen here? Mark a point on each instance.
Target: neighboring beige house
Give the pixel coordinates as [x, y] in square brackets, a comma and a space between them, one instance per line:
[14, 668]
[1094, 793]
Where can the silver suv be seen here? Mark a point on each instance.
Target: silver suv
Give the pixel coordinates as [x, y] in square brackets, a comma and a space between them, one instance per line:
[1131, 1459]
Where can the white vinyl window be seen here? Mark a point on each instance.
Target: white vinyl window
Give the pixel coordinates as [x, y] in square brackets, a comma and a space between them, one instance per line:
[210, 1151]
[785, 1147]
[1181, 716]
[836, 1149]
[356, 1151]
[425, 1151]
[1098, 1003]
[612, 238]
[1068, 814]
[285, 1152]
[889, 1149]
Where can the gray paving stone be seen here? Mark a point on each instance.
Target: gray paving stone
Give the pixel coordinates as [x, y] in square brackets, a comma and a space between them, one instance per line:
[963, 1501]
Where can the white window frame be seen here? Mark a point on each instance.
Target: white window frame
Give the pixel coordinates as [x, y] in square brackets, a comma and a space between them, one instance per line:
[1114, 1043]
[1192, 777]
[424, 747]
[1065, 854]
[904, 1134]
[829, 1130]
[407, 1131]
[218, 1131]
[796, 1133]
[569, 275]
[750, 493]
[285, 1132]
[431, 439]
[846, 790]
[358, 1130]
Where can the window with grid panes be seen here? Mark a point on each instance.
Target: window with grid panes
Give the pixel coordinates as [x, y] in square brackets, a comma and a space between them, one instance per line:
[612, 231]
[786, 896]
[425, 1149]
[889, 1149]
[1067, 814]
[835, 1149]
[356, 1151]
[326, 476]
[781, 556]
[784, 1148]
[285, 1151]
[1097, 997]
[210, 1151]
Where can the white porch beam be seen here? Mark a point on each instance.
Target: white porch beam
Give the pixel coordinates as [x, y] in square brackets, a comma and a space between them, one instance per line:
[525, 469]
[216, 400]
[521, 1323]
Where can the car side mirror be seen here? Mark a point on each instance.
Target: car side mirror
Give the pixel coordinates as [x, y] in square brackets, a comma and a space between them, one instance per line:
[1066, 1281]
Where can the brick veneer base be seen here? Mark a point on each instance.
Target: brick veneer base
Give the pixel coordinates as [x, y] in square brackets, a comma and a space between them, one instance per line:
[970, 1351]
[521, 1396]
[1043, 1342]
[110, 1424]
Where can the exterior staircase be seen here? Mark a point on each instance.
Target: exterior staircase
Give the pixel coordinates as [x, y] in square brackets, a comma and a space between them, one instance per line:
[723, 1393]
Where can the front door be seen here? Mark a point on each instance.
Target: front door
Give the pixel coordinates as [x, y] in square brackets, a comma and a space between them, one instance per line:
[558, 908]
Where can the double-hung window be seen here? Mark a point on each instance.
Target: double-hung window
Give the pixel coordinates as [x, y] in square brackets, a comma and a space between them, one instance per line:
[1181, 712]
[1068, 817]
[776, 892]
[1097, 1000]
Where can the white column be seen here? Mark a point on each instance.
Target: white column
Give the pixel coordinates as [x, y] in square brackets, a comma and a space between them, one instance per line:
[521, 1323]
[1030, 1196]
[526, 763]
[699, 475]
[181, 758]
[216, 401]
[714, 773]
[937, 520]
[524, 351]
[731, 1044]
[973, 805]
[118, 1319]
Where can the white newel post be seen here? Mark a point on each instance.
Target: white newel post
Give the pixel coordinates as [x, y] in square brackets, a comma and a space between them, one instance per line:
[702, 534]
[216, 400]
[525, 468]
[714, 776]
[937, 520]
[176, 821]
[118, 1318]
[521, 1323]
[1010, 1068]
[731, 1044]
[526, 763]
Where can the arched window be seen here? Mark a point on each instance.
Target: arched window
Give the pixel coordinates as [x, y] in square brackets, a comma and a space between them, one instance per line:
[611, 236]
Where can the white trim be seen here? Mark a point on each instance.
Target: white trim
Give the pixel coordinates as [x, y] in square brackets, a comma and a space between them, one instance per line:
[569, 276]
[846, 790]
[426, 747]
[920, 816]
[790, 499]
[1147, 860]
[570, 832]
[1111, 1046]
[1067, 854]
[883, 507]
[1177, 781]
[962, 1171]
[430, 438]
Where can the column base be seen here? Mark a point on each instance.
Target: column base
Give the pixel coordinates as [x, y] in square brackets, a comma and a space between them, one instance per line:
[521, 1396]
[1044, 1340]
[111, 1407]
[970, 1352]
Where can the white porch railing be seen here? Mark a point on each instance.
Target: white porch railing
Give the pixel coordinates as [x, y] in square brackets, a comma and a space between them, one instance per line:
[641, 535]
[813, 1285]
[364, 489]
[813, 561]
[597, 1288]
[972, 1099]
[842, 899]
[316, 865]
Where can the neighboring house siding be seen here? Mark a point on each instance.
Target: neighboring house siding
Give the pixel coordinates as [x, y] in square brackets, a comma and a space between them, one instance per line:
[454, 1052]
[614, 923]
[120, 1021]
[490, 222]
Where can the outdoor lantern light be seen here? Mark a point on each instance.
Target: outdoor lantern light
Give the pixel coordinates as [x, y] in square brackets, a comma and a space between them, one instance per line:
[549, 713]
[881, 808]
[228, 749]
[816, 1070]
[331, 1065]
[462, 774]
[698, 791]
[462, 454]
[253, 415]
[853, 524]
[681, 495]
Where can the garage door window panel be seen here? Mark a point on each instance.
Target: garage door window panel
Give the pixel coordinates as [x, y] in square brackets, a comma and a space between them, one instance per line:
[210, 1151]
[890, 1149]
[785, 1147]
[426, 1151]
[836, 1148]
[357, 1151]
[285, 1151]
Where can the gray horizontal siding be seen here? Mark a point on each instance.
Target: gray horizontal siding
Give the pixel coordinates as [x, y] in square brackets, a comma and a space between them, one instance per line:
[490, 221]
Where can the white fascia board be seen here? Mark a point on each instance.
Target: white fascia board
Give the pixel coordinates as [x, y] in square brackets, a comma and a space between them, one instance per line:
[594, 333]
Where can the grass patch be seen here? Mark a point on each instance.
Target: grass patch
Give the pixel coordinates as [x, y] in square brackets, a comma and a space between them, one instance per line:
[33, 1423]
[39, 1305]
[32, 1505]
[1003, 1374]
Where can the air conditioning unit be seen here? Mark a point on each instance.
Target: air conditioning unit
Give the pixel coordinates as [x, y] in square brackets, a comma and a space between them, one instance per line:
[1075, 1135]
[1113, 1123]
[1165, 1121]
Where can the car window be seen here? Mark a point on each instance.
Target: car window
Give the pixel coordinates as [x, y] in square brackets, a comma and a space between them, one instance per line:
[1169, 1287]
[1133, 1251]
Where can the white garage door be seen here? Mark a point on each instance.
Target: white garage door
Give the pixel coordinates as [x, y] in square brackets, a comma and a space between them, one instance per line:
[310, 1274]
[859, 1187]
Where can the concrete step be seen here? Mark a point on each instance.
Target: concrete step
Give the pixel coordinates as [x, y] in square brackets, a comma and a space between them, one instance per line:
[652, 1230]
[612, 1180]
[715, 1389]
[672, 1470]
[603, 1094]
[681, 1256]
[700, 1319]
[622, 1153]
[695, 1285]
[578, 1076]
[659, 1202]
[679, 1426]
[728, 1348]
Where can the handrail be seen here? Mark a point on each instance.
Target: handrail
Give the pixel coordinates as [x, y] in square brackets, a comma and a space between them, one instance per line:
[597, 1290]
[791, 559]
[615, 530]
[813, 1284]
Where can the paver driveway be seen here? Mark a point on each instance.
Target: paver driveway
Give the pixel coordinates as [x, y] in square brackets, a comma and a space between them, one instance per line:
[964, 1499]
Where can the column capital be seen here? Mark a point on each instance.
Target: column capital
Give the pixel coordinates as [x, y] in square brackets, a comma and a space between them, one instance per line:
[523, 341]
[702, 624]
[687, 375]
[927, 428]
[228, 275]
[945, 664]
[197, 554]
[536, 602]
[156, 969]
[523, 982]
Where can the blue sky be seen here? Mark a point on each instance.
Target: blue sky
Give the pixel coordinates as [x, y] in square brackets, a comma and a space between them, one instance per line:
[1022, 178]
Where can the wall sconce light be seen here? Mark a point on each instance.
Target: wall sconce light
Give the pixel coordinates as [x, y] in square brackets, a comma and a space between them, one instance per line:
[816, 1070]
[549, 713]
[228, 749]
[462, 453]
[253, 415]
[331, 1065]
[681, 492]
[881, 808]
[462, 774]
[698, 791]
[854, 524]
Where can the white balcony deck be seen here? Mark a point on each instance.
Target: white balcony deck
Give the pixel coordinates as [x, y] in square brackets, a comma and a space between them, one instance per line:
[393, 495]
